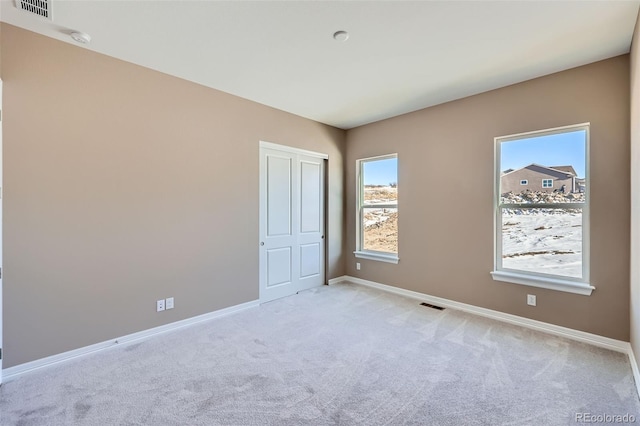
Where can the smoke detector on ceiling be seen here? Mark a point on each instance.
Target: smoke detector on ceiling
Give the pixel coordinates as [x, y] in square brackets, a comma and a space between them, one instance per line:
[341, 36]
[81, 37]
[41, 8]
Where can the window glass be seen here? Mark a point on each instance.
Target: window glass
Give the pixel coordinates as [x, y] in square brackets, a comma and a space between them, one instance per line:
[540, 228]
[378, 205]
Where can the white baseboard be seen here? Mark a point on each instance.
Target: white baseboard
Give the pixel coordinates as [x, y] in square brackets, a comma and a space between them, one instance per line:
[337, 280]
[581, 336]
[13, 373]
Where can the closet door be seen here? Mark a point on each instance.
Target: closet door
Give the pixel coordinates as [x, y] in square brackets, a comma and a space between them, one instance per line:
[292, 252]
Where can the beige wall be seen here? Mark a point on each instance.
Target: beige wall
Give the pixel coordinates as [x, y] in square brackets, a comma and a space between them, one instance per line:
[124, 186]
[635, 193]
[446, 231]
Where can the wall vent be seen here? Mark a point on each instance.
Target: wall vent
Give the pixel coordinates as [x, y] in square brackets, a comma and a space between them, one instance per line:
[41, 8]
[429, 305]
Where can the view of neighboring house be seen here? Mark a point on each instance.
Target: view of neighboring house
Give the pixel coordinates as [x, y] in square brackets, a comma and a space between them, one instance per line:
[535, 177]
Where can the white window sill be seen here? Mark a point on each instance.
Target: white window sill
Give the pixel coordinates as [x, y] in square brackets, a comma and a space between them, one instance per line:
[382, 257]
[544, 282]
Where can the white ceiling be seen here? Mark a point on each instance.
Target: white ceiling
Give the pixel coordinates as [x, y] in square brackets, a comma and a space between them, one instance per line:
[401, 55]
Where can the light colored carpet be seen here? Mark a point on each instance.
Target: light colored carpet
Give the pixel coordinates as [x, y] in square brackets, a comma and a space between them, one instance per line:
[343, 354]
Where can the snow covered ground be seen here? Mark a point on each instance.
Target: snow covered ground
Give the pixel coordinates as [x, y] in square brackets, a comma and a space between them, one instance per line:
[375, 216]
[543, 240]
[380, 223]
[540, 240]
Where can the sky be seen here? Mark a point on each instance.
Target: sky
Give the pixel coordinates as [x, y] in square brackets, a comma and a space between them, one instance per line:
[381, 172]
[564, 149]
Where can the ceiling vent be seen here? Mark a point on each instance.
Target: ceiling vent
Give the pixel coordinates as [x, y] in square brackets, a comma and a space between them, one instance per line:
[41, 8]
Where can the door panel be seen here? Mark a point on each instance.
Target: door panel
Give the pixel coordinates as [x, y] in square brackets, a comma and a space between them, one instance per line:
[279, 172]
[311, 236]
[311, 196]
[291, 222]
[279, 263]
[309, 260]
[279, 266]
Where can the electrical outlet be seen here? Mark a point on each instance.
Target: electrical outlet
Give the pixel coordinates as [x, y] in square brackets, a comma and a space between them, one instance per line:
[169, 303]
[160, 305]
[531, 299]
[358, 266]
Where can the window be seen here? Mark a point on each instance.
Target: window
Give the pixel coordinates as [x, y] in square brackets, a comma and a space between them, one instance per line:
[542, 235]
[377, 221]
[524, 182]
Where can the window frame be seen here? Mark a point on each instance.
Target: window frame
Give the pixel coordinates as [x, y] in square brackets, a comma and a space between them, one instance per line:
[361, 253]
[538, 279]
[547, 180]
[524, 182]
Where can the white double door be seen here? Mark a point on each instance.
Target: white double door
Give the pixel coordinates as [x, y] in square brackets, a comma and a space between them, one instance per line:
[292, 248]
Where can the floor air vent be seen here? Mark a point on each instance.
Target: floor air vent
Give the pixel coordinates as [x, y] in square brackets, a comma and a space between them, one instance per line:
[40, 8]
[429, 305]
